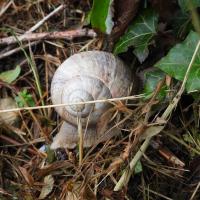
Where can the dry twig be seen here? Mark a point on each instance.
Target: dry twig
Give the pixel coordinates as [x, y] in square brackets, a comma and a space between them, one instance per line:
[15, 50]
[5, 8]
[70, 104]
[36, 26]
[68, 35]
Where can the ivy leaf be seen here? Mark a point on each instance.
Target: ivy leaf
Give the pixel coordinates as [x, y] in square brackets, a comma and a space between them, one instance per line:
[151, 79]
[188, 4]
[176, 62]
[139, 35]
[101, 15]
[10, 75]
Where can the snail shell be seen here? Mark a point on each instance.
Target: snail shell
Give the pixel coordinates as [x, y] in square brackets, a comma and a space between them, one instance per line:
[83, 77]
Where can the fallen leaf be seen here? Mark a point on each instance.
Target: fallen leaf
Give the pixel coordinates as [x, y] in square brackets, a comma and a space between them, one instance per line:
[10, 75]
[152, 131]
[48, 186]
[28, 178]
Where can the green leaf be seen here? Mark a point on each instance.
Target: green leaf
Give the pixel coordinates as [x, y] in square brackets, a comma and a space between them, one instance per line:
[138, 167]
[151, 79]
[176, 62]
[139, 35]
[10, 75]
[181, 24]
[101, 15]
[24, 98]
[50, 154]
[87, 18]
[188, 4]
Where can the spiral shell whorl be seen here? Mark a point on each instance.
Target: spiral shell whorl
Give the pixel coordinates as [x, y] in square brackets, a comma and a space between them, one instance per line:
[75, 97]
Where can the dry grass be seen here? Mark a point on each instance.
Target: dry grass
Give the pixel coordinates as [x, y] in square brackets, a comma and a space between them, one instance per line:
[26, 159]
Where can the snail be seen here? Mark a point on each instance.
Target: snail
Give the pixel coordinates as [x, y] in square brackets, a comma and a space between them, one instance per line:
[84, 77]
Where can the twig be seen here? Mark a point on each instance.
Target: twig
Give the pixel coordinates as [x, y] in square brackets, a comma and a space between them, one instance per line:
[158, 194]
[70, 104]
[14, 142]
[130, 168]
[195, 191]
[8, 53]
[68, 35]
[167, 154]
[3, 9]
[4, 192]
[36, 26]
[80, 133]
